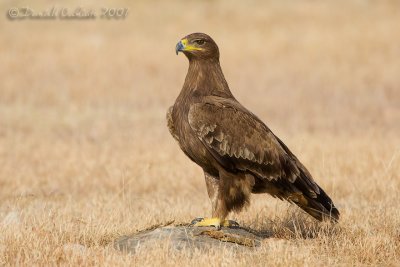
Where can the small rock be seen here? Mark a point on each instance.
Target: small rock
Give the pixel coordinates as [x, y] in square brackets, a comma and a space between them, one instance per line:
[181, 237]
[12, 218]
[74, 248]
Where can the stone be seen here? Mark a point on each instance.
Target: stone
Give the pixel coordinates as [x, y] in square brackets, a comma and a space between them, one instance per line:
[74, 248]
[12, 218]
[189, 237]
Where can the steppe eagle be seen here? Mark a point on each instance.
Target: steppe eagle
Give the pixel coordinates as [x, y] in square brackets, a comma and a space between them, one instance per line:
[239, 154]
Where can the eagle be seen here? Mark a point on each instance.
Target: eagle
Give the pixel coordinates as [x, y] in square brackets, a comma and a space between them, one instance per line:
[238, 153]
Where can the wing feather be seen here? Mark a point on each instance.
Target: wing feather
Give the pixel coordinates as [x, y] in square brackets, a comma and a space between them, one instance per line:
[170, 124]
[238, 138]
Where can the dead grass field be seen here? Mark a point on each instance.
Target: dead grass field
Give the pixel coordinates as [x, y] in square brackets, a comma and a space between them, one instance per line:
[85, 154]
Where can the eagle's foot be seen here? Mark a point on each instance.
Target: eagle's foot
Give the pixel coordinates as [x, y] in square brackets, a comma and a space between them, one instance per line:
[216, 222]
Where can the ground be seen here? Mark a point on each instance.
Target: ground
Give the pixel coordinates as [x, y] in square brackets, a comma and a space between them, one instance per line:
[86, 156]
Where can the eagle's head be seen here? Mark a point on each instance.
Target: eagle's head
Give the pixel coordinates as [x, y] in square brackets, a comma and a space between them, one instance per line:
[198, 46]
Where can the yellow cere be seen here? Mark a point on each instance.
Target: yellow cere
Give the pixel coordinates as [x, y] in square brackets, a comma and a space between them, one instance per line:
[187, 47]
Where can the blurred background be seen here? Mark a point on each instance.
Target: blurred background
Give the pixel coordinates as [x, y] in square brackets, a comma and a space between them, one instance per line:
[81, 92]
[300, 65]
[68, 87]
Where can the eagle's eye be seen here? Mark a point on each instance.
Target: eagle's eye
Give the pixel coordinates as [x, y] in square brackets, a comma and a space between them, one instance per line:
[199, 42]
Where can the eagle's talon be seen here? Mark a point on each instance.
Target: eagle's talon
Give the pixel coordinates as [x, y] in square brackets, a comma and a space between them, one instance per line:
[208, 222]
[196, 220]
[230, 224]
[214, 222]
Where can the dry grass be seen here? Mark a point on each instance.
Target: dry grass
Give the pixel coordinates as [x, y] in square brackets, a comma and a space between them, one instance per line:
[85, 154]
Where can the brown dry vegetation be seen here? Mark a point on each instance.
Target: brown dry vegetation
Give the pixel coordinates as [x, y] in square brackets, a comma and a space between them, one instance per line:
[85, 154]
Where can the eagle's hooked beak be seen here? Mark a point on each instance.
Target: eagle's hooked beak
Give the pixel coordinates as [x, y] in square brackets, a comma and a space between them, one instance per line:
[184, 45]
[179, 47]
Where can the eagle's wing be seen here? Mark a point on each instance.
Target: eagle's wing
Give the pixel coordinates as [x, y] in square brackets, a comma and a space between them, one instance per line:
[170, 124]
[238, 140]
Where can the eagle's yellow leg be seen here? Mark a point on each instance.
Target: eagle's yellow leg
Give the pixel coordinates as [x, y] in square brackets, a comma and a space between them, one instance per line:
[216, 222]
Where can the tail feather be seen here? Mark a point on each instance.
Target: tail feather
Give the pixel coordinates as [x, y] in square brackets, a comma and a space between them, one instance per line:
[321, 207]
[316, 203]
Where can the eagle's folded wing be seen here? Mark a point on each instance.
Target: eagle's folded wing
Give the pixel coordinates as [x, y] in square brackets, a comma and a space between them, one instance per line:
[170, 124]
[238, 139]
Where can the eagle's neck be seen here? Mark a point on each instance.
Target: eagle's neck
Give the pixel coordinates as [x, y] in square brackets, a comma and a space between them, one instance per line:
[204, 78]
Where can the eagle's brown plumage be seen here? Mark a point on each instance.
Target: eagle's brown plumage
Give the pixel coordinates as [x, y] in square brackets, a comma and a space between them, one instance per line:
[237, 151]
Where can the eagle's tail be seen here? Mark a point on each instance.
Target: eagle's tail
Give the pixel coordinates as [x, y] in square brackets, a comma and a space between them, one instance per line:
[321, 207]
